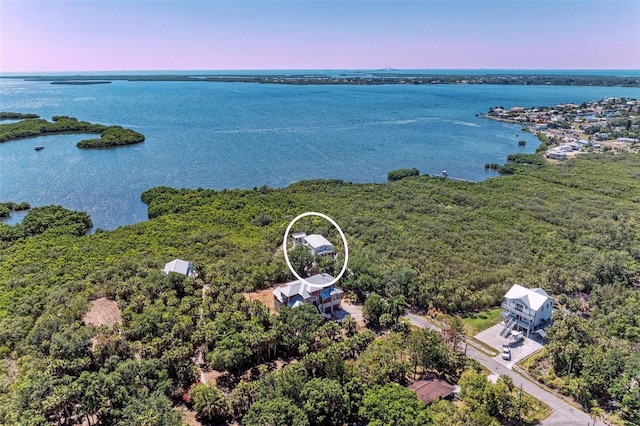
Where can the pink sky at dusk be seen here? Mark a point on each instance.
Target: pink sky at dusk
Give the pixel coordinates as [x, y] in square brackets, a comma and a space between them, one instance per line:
[211, 35]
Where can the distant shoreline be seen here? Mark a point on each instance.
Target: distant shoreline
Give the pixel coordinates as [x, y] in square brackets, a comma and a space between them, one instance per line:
[79, 82]
[371, 78]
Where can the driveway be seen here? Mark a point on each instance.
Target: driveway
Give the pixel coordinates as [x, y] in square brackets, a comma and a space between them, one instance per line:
[354, 310]
[562, 414]
[492, 337]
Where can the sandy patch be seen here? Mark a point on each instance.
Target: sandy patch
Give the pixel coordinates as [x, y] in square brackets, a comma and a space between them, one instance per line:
[263, 296]
[188, 416]
[103, 312]
[210, 376]
[355, 311]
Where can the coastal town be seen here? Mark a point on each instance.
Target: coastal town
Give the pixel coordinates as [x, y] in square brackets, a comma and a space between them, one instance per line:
[566, 130]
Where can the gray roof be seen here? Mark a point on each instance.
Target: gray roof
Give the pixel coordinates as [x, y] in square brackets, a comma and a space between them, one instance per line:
[304, 289]
[179, 266]
[316, 241]
[319, 280]
[296, 287]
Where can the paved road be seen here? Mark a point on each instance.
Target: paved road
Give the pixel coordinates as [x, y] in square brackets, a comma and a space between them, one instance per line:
[562, 413]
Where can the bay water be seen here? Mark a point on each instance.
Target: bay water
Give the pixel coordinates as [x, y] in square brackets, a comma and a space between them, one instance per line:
[242, 135]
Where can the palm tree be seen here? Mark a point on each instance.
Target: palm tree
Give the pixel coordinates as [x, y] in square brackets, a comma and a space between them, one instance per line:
[596, 412]
[350, 325]
[396, 307]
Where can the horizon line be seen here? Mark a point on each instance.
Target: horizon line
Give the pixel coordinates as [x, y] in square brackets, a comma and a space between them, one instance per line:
[316, 69]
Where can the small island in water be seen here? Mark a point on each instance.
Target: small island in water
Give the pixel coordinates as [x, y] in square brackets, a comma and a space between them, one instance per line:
[32, 126]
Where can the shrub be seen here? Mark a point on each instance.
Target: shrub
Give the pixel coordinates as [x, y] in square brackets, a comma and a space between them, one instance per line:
[401, 174]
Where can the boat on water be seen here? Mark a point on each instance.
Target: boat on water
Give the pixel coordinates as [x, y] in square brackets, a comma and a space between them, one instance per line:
[39, 148]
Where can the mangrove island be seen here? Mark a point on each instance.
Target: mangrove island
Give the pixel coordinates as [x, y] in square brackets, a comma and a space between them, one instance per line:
[33, 126]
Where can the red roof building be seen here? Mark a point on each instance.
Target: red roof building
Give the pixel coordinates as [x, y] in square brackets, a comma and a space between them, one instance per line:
[430, 390]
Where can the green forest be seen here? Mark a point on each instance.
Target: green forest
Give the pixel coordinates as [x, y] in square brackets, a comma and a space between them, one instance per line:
[31, 126]
[431, 245]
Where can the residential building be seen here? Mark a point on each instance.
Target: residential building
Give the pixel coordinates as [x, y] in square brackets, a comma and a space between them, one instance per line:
[431, 390]
[526, 310]
[317, 291]
[317, 244]
[556, 154]
[179, 267]
[298, 238]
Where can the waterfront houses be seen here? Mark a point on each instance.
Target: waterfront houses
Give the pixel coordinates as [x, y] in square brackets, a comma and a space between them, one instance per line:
[610, 124]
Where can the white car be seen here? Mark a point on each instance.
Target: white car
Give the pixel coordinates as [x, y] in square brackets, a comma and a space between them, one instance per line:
[506, 352]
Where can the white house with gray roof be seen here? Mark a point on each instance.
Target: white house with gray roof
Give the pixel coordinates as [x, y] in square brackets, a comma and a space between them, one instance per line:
[179, 267]
[526, 310]
[317, 291]
[317, 244]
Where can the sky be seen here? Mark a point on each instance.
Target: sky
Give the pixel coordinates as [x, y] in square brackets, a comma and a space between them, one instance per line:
[105, 35]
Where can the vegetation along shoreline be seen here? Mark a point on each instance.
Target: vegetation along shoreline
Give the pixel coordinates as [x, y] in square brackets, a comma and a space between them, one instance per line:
[32, 126]
[566, 130]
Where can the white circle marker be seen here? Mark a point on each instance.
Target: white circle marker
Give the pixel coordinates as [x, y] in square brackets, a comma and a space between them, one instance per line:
[344, 240]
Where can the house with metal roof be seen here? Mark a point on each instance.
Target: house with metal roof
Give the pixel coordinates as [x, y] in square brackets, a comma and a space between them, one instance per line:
[179, 267]
[317, 291]
[317, 244]
[526, 310]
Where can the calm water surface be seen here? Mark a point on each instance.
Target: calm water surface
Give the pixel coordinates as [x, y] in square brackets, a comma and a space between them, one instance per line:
[238, 135]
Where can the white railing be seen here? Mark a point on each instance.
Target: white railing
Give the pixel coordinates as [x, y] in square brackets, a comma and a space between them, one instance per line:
[507, 328]
[525, 313]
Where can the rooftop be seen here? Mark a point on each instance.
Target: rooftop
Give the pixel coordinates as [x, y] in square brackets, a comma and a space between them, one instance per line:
[316, 240]
[179, 266]
[297, 287]
[430, 390]
[533, 298]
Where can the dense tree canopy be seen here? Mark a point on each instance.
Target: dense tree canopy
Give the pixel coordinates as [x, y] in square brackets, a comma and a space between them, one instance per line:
[416, 243]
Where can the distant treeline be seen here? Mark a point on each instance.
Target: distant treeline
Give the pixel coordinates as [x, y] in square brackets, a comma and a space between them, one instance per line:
[79, 82]
[16, 116]
[110, 136]
[370, 79]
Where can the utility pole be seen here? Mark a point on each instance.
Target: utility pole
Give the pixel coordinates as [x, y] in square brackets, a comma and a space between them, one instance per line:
[520, 402]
